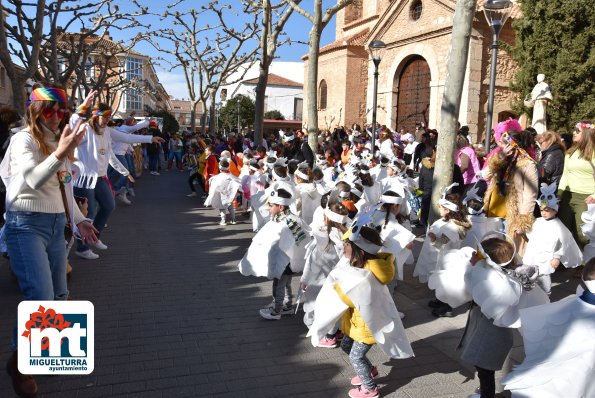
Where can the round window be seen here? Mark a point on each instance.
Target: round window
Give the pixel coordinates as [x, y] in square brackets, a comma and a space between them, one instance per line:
[415, 10]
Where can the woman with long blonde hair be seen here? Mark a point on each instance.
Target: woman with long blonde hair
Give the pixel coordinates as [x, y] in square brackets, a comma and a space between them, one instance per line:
[38, 177]
[577, 186]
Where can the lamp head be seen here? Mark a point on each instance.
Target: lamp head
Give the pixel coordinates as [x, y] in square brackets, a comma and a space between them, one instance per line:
[497, 12]
[376, 48]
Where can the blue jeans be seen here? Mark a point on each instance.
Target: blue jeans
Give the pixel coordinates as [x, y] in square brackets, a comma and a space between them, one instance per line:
[153, 161]
[120, 180]
[37, 251]
[101, 205]
[130, 163]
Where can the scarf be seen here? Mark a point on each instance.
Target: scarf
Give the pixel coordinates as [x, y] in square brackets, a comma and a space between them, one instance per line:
[588, 297]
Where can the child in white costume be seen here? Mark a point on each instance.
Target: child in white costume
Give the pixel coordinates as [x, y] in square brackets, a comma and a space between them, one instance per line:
[379, 172]
[222, 192]
[355, 291]
[322, 254]
[308, 198]
[480, 224]
[550, 242]
[277, 251]
[559, 347]
[372, 187]
[397, 239]
[446, 233]
[497, 292]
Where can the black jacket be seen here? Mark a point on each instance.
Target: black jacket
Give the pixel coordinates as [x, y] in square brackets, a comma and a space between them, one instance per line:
[551, 165]
[426, 176]
[305, 153]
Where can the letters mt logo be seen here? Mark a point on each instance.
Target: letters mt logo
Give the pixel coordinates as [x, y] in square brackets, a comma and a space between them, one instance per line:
[56, 337]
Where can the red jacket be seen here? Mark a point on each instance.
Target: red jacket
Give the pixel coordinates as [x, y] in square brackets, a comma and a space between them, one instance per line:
[211, 169]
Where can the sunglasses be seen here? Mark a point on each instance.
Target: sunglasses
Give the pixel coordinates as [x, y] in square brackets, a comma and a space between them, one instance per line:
[49, 113]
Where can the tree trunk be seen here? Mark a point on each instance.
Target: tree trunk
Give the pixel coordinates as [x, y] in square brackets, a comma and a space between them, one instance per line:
[18, 93]
[212, 99]
[203, 127]
[312, 94]
[193, 105]
[260, 90]
[451, 100]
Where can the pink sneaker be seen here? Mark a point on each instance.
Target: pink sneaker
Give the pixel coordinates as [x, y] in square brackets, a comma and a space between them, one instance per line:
[328, 343]
[355, 381]
[362, 392]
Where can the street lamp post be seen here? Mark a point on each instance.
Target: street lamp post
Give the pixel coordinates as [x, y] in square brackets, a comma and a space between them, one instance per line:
[376, 48]
[238, 109]
[496, 13]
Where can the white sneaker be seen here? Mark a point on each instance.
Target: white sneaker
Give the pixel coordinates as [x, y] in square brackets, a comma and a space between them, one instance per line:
[99, 245]
[87, 255]
[131, 192]
[222, 223]
[191, 195]
[122, 198]
[233, 222]
[269, 313]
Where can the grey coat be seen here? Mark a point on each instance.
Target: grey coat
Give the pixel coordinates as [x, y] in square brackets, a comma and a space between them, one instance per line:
[483, 344]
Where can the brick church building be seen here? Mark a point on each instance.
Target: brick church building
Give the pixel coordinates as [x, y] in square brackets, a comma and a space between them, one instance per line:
[412, 72]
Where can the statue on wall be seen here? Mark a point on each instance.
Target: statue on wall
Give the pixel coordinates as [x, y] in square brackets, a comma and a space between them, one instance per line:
[538, 100]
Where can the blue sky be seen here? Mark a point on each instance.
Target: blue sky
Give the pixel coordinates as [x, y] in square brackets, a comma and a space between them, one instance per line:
[297, 29]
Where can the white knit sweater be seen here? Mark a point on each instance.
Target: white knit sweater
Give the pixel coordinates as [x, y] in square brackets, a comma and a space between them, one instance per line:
[41, 191]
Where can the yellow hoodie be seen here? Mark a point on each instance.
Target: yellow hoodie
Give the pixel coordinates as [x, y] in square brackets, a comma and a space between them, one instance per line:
[352, 323]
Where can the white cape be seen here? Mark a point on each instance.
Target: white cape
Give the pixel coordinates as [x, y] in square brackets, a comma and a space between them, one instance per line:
[372, 300]
[223, 189]
[396, 237]
[559, 351]
[449, 280]
[272, 248]
[427, 261]
[549, 239]
[500, 296]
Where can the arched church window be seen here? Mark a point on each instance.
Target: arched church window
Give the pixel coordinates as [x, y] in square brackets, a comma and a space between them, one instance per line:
[322, 95]
[415, 10]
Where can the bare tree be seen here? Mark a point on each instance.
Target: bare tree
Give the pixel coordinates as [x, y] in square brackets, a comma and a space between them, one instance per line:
[208, 54]
[451, 100]
[319, 19]
[56, 55]
[23, 40]
[274, 17]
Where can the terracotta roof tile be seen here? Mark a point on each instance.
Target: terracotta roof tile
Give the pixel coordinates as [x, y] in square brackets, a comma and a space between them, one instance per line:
[357, 39]
[276, 80]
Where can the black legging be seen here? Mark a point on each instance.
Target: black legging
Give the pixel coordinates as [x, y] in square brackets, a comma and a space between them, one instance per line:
[487, 382]
[199, 178]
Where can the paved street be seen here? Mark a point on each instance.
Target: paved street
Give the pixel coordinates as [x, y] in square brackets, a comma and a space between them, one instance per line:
[174, 318]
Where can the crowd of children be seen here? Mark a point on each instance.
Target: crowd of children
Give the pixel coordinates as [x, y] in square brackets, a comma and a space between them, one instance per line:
[347, 228]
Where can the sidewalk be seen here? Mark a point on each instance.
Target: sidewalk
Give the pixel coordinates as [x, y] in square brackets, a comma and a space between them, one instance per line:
[174, 318]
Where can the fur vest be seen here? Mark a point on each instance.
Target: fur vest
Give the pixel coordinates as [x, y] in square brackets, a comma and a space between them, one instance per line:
[521, 193]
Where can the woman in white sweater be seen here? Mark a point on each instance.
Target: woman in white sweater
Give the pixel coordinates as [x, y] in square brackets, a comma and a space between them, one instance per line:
[37, 173]
[93, 156]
